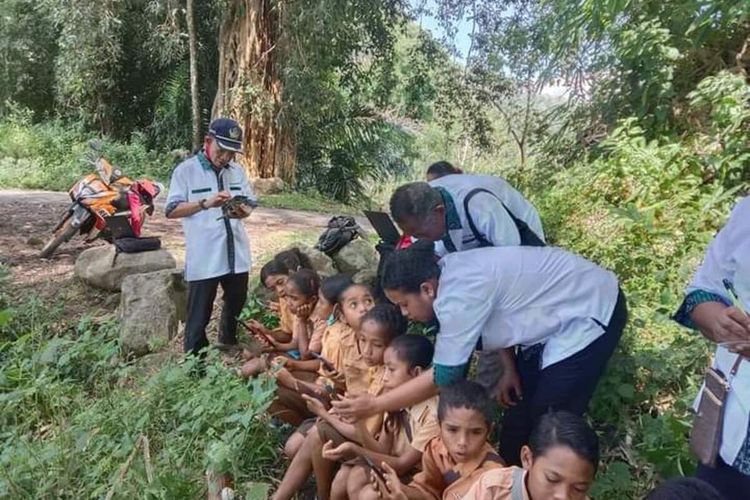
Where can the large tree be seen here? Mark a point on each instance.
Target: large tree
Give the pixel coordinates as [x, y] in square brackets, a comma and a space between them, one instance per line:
[249, 87]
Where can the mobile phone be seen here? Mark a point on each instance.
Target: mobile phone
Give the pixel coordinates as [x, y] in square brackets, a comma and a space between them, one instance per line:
[736, 302]
[327, 364]
[374, 468]
[254, 331]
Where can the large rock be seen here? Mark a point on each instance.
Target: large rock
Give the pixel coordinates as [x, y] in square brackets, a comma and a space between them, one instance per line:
[97, 266]
[322, 263]
[151, 308]
[358, 257]
[270, 185]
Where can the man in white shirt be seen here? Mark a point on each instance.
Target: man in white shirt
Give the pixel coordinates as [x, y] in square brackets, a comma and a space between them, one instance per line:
[463, 211]
[217, 247]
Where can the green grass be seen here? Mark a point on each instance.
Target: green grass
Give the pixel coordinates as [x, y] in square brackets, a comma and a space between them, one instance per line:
[307, 201]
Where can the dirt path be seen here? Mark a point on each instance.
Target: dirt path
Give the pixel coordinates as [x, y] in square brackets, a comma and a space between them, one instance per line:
[28, 217]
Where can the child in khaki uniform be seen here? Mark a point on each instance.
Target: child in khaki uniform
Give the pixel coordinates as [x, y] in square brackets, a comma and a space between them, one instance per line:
[353, 303]
[453, 461]
[377, 328]
[560, 461]
[404, 434]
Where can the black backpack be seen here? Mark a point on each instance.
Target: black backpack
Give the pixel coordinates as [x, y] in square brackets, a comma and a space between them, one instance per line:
[341, 230]
[528, 237]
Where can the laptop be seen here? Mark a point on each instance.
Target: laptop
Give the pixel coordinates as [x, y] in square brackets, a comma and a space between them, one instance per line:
[384, 226]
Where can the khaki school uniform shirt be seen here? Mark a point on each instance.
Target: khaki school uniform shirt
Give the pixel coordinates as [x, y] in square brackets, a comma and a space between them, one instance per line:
[442, 477]
[419, 424]
[319, 327]
[497, 484]
[331, 350]
[286, 318]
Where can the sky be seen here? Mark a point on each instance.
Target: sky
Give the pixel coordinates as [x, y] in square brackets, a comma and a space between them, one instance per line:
[462, 40]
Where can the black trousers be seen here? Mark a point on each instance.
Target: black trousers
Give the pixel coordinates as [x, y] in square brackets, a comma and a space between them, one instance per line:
[731, 483]
[567, 385]
[201, 295]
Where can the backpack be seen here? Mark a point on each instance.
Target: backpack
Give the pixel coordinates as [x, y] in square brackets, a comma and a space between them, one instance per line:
[528, 237]
[341, 230]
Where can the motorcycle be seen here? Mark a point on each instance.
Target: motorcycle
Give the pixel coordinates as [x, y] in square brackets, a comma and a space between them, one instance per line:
[106, 204]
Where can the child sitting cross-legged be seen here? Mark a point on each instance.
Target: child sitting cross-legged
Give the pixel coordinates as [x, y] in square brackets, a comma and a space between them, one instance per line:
[404, 434]
[377, 328]
[453, 461]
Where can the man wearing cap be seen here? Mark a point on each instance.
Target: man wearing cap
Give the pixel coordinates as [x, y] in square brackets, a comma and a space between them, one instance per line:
[217, 248]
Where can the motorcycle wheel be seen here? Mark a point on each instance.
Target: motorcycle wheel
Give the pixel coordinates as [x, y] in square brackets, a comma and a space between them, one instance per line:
[66, 231]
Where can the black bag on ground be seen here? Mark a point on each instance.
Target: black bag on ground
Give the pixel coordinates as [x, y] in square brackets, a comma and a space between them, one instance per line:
[341, 230]
[136, 245]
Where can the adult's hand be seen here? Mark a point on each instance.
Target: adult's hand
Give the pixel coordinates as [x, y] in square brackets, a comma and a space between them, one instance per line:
[721, 323]
[356, 407]
[509, 390]
[218, 199]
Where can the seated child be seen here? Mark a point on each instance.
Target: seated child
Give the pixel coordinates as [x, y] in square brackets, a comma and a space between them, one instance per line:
[274, 275]
[300, 294]
[453, 461]
[340, 350]
[404, 434]
[377, 329]
[560, 461]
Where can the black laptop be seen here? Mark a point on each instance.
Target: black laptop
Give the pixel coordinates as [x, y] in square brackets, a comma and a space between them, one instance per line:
[384, 226]
[120, 227]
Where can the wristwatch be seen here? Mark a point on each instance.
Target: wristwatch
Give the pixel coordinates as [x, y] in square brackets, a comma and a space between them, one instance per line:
[202, 204]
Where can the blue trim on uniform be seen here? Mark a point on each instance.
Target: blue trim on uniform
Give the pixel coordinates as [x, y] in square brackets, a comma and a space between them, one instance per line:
[201, 190]
[452, 220]
[692, 300]
[445, 375]
[170, 207]
[203, 160]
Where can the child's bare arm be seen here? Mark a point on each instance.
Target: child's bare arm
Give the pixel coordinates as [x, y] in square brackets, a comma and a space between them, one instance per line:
[380, 445]
[302, 335]
[401, 464]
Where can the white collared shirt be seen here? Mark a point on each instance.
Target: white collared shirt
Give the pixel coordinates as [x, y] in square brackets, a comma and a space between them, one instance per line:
[521, 296]
[488, 213]
[728, 257]
[214, 246]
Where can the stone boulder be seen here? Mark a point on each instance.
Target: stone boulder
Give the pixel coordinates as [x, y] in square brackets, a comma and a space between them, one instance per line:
[270, 185]
[151, 308]
[358, 257]
[322, 263]
[97, 266]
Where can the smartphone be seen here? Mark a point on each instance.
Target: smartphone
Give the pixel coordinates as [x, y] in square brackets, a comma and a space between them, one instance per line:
[374, 468]
[255, 331]
[327, 364]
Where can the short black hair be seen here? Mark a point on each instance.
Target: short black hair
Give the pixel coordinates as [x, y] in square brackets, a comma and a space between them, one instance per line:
[332, 287]
[563, 428]
[405, 270]
[307, 282]
[349, 287]
[684, 488]
[441, 169]
[414, 200]
[271, 268]
[466, 394]
[415, 350]
[389, 317]
[294, 259]
[285, 262]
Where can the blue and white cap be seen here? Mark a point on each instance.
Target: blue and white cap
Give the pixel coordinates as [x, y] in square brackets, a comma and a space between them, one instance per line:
[227, 133]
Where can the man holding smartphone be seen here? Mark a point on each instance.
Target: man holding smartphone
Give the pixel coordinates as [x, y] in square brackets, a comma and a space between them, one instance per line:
[217, 248]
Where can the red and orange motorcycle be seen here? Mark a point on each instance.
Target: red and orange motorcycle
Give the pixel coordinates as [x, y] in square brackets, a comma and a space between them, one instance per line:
[106, 204]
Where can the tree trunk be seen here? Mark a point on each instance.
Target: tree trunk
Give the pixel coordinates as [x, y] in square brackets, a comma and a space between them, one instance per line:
[249, 88]
[194, 97]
